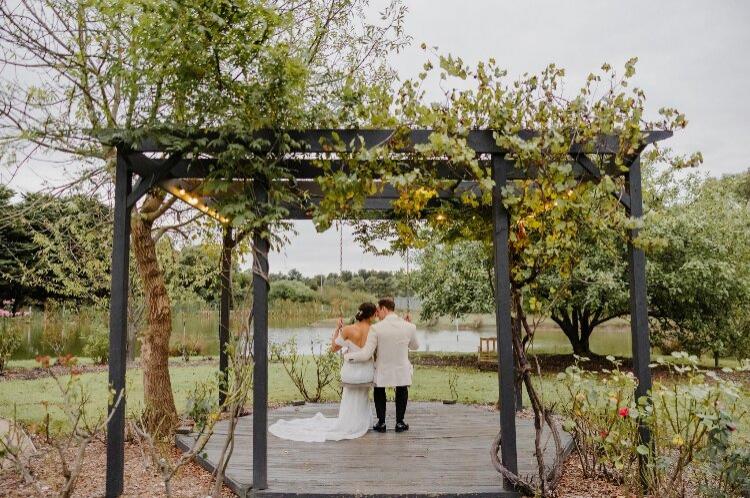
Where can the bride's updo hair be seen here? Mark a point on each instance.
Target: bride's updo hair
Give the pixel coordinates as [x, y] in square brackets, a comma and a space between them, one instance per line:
[366, 311]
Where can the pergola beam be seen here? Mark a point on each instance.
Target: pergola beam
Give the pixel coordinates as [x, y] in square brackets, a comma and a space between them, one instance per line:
[592, 169]
[323, 141]
[641, 345]
[308, 169]
[134, 159]
[503, 324]
[261, 247]
[118, 326]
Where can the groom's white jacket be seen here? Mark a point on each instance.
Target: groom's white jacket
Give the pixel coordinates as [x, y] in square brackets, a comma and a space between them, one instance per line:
[391, 338]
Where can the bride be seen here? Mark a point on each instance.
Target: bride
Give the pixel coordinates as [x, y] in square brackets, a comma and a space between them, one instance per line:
[355, 413]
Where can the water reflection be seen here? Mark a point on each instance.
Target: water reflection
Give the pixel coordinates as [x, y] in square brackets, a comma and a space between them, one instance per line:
[60, 337]
[606, 341]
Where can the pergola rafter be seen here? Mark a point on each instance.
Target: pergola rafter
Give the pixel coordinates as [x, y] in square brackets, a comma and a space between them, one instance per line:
[156, 165]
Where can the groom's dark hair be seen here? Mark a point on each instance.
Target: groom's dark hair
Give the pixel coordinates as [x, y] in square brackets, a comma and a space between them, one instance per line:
[387, 303]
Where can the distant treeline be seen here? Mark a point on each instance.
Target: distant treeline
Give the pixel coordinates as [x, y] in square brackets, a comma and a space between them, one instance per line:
[56, 249]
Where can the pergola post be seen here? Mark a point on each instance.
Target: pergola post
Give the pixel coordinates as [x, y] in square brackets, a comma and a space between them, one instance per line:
[506, 363]
[224, 309]
[638, 304]
[260, 343]
[118, 324]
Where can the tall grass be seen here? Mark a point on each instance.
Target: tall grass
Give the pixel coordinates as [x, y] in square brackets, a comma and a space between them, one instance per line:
[60, 330]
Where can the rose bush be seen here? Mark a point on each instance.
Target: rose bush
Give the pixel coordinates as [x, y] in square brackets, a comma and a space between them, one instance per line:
[692, 415]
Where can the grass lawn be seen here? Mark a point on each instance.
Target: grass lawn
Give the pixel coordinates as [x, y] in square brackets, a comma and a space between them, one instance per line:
[29, 400]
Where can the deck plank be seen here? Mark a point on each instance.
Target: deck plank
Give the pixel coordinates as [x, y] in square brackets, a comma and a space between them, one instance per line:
[446, 452]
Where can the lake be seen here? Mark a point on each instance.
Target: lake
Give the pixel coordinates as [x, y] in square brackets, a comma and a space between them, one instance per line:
[606, 341]
[46, 336]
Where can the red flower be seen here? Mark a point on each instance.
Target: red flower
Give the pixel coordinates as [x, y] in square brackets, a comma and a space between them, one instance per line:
[623, 412]
[604, 434]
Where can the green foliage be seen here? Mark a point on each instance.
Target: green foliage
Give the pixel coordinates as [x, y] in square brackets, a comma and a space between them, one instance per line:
[325, 365]
[187, 348]
[727, 466]
[202, 403]
[691, 408]
[9, 343]
[698, 249]
[96, 345]
[596, 288]
[453, 384]
[291, 290]
[17, 248]
[600, 419]
[191, 272]
[454, 280]
[56, 249]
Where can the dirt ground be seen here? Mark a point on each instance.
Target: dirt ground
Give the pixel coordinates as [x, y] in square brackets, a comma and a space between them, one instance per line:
[141, 480]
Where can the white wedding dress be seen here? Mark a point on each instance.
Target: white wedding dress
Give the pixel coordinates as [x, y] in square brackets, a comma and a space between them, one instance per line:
[355, 412]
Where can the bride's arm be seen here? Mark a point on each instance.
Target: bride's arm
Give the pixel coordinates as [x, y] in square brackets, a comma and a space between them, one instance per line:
[367, 351]
[335, 346]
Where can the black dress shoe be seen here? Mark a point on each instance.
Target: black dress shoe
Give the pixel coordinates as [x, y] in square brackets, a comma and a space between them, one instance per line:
[379, 427]
[401, 427]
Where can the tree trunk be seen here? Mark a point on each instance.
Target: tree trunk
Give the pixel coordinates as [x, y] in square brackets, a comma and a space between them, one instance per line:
[516, 325]
[576, 331]
[160, 415]
[581, 345]
[132, 331]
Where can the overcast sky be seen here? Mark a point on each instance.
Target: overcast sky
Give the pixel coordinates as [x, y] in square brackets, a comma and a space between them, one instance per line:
[692, 55]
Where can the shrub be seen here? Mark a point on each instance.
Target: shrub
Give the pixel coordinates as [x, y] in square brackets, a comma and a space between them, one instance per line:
[96, 346]
[601, 418]
[691, 420]
[727, 470]
[326, 366]
[453, 384]
[201, 404]
[187, 348]
[9, 343]
[291, 290]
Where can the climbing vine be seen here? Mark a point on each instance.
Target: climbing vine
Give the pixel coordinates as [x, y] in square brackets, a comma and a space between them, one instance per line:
[533, 119]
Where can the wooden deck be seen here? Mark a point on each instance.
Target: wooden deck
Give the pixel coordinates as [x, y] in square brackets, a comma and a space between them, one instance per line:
[446, 452]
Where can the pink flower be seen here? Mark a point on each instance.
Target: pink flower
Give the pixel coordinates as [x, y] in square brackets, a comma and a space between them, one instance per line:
[604, 434]
[623, 412]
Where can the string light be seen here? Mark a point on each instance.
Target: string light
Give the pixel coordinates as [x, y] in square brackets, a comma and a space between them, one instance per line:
[194, 201]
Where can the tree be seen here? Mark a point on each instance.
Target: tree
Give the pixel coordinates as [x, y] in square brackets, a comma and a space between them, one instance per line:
[699, 264]
[16, 248]
[191, 272]
[454, 280]
[86, 67]
[69, 256]
[51, 249]
[596, 289]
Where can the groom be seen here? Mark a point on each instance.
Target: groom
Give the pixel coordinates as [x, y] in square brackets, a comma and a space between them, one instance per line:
[391, 339]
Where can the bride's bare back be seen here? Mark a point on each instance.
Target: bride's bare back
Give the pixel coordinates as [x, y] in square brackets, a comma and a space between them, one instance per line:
[356, 333]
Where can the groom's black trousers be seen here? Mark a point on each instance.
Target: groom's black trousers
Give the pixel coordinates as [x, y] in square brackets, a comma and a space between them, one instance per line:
[402, 397]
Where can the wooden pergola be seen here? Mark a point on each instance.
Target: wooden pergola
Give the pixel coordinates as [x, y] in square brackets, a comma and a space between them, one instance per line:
[153, 165]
